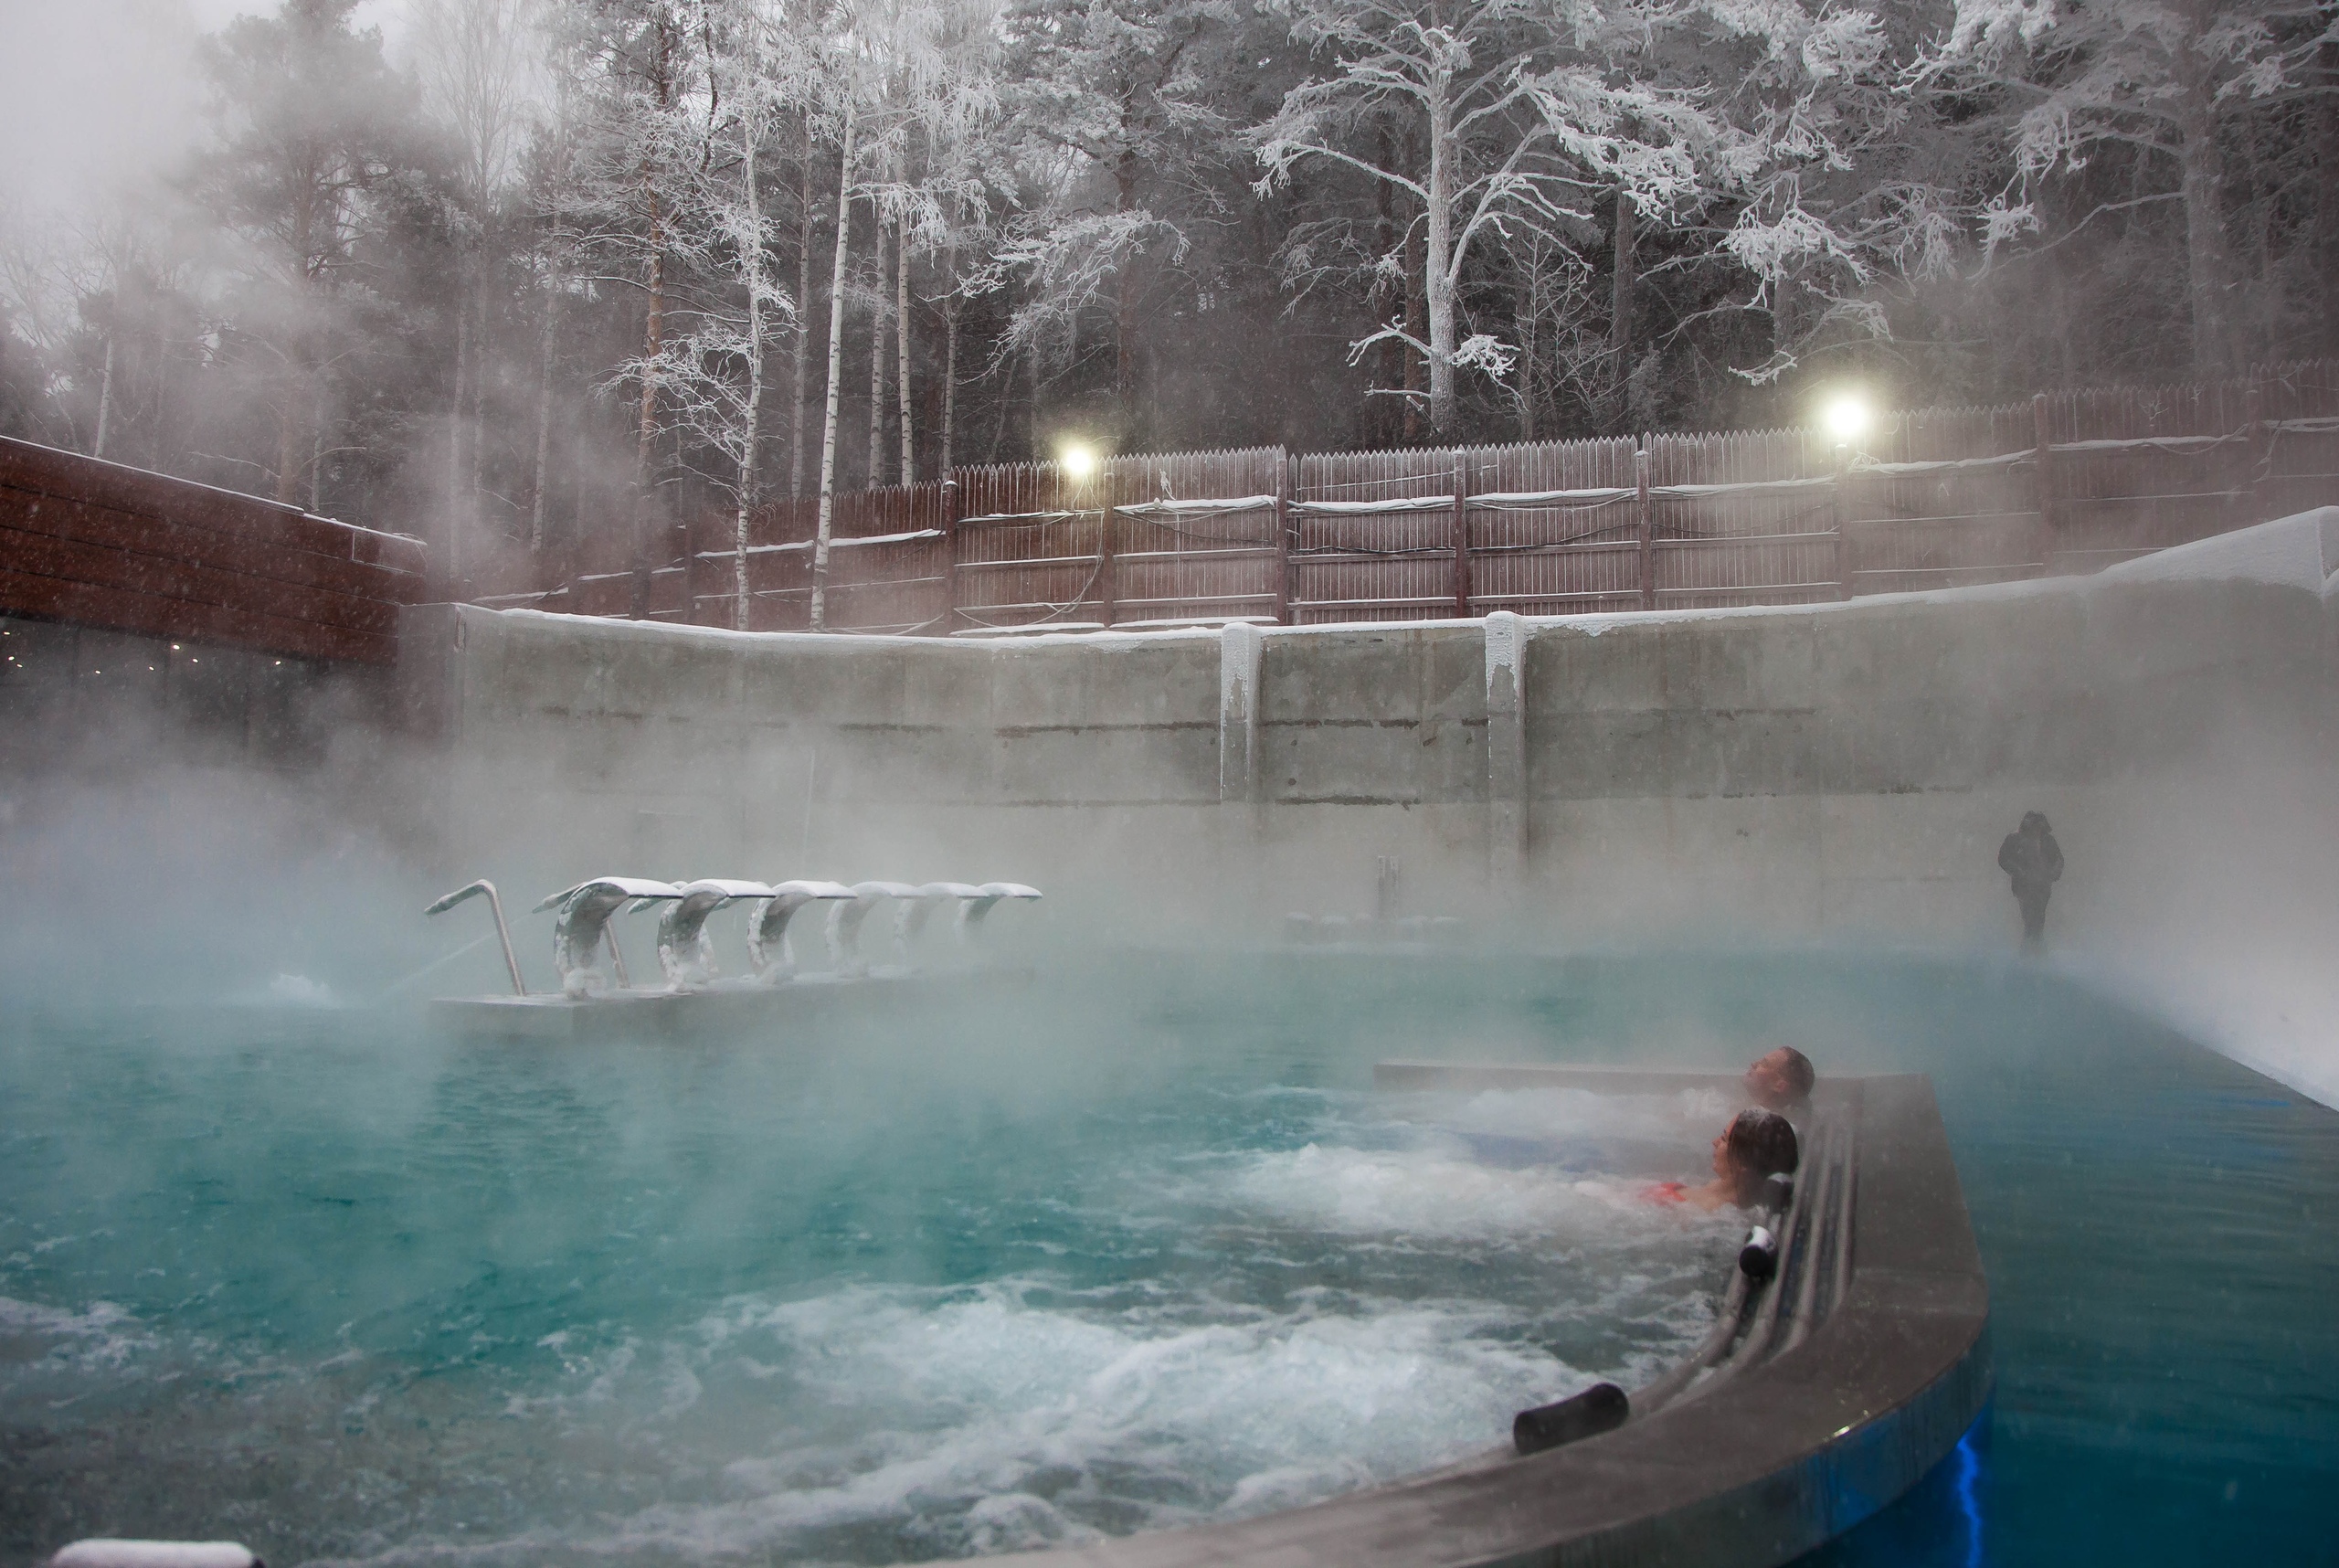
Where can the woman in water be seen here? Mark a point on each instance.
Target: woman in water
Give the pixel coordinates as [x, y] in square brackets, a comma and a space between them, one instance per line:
[1755, 1145]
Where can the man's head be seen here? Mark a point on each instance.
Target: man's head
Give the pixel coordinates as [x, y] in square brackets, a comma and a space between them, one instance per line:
[1757, 1143]
[2034, 823]
[1781, 1079]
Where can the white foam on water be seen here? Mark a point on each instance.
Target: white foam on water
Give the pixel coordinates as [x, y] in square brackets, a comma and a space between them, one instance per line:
[300, 991]
[976, 1421]
[100, 1334]
[1436, 1192]
[1562, 1114]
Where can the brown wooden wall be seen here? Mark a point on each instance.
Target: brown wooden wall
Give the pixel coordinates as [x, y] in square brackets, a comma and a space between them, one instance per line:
[2066, 482]
[101, 546]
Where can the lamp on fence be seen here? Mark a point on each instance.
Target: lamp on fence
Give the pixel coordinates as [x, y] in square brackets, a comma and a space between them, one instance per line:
[1078, 461]
[1846, 416]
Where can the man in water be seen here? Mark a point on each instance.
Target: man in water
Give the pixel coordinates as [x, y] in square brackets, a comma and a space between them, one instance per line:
[1780, 1080]
[2033, 858]
[1756, 1144]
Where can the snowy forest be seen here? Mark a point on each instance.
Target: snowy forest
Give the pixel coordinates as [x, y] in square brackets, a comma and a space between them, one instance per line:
[544, 265]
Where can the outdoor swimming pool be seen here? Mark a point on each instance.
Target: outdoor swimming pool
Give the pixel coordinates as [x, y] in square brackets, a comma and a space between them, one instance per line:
[1138, 1249]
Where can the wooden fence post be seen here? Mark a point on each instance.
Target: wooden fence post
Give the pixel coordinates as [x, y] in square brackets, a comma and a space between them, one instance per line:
[1461, 535]
[1282, 567]
[950, 555]
[2043, 484]
[1647, 524]
[1107, 585]
[1843, 552]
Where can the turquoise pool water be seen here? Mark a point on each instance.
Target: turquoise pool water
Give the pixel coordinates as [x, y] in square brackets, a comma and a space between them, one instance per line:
[1137, 1249]
[1082, 1259]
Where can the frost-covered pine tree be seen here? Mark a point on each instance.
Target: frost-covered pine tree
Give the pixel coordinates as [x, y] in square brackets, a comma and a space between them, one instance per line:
[311, 120]
[478, 61]
[1112, 102]
[2169, 87]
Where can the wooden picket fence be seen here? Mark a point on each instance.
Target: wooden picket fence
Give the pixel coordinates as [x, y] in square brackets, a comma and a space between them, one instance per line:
[2069, 481]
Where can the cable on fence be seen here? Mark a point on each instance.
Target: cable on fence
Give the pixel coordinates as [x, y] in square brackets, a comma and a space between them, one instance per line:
[1898, 470]
[1364, 508]
[1167, 508]
[1703, 492]
[1444, 552]
[1029, 517]
[1054, 612]
[1549, 500]
[2174, 446]
[836, 542]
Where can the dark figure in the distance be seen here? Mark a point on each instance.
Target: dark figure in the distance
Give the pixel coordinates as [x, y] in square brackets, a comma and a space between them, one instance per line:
[2031, 857]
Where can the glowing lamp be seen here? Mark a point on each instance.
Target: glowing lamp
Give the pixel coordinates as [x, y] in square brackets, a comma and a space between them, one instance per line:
[1847, 418]
[1077, 462]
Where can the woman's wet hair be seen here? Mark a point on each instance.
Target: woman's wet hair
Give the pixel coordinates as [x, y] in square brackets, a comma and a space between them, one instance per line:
[1760, 1143]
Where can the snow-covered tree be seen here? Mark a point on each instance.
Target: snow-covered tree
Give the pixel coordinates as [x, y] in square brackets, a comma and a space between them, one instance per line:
[1121, 98]
[1526, 112]
[2167, 85]
[893, 73]
[716, 374]
[478, 63]
[309, 118]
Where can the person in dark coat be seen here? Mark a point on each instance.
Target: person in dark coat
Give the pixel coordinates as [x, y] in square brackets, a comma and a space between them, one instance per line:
[2034, 860]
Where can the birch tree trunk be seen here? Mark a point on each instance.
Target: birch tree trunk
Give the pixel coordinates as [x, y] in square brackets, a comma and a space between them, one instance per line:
[836, 377]
[1529, 320]
[1438, 275]
[753, 436]
[475, 426]
[901, 344]
[455, 407]
[949, 358]
[877, 356]
[296, 381]
[2202, 189]
[1386, 429]
[1125, 288]
[653, 340]
[1416, 322]
[646, 453]
[1620, 294]
[803, 345]
[545, 360]
[105, 398]
[754, 380]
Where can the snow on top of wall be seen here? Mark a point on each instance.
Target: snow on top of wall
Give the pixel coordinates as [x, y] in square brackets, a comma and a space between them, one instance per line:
[2300, 551]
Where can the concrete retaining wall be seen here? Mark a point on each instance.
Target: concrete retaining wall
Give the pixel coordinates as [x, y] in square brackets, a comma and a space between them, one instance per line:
[1760, 775]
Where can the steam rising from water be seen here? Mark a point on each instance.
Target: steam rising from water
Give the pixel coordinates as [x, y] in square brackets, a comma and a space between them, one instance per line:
[892, 1298]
